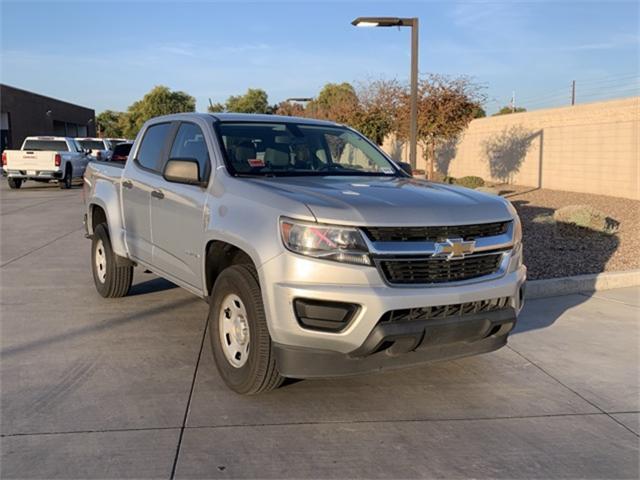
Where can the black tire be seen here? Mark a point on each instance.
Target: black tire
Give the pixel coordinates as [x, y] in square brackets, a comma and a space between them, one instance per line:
[14, 183]
[259, 373]
[114, 278]
[65, 183]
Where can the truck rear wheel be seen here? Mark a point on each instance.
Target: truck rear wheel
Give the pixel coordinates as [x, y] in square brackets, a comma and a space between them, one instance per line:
[14, 183]
[238, 332]
[112, 280]
[65, 183]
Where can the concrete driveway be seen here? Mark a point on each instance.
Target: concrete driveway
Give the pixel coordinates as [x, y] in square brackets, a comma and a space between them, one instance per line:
[127, 388]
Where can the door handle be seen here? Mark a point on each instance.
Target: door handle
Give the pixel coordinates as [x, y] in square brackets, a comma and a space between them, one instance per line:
[127, 184]
[157, 194]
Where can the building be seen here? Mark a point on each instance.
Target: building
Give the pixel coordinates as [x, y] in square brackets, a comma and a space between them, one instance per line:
[24, 113]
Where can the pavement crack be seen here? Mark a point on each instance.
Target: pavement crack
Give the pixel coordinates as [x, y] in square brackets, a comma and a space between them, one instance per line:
[572, 390]
[186, 412]
[40, 247]
[595, 295]
[49, 200]
[310, 423]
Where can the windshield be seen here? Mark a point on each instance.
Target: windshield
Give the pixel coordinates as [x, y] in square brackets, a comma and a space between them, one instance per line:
[92, 144]
[256, 148]
[46, 145]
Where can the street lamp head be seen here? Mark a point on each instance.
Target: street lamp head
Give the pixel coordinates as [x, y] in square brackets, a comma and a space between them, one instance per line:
[357, 23]
[383, 22]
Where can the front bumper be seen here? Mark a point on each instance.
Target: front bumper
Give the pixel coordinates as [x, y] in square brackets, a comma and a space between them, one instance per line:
[395, 345]
[289, 276]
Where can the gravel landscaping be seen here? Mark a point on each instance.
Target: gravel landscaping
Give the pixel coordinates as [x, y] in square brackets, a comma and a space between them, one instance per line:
[552, 252]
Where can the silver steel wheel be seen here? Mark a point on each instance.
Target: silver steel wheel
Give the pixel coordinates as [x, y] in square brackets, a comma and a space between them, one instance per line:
[234, 330]
[100, 260]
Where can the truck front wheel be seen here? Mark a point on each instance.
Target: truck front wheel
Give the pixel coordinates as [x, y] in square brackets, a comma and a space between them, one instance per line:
[238, 332]
[112, 280]
[14, 183]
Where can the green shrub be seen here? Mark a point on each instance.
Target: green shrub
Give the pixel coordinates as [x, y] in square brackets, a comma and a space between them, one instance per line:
[585, 216]
[469, 182]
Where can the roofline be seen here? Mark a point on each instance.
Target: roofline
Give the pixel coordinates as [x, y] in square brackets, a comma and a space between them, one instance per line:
[262, 117]
[47, 97]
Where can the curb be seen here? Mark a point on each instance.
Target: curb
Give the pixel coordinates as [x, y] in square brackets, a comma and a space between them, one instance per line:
[553, 287]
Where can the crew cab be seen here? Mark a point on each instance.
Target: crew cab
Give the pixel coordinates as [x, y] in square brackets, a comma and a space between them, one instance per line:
[43, 159]
[319, 256]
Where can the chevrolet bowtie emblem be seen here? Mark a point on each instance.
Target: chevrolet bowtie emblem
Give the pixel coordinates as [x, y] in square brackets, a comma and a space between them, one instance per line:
[454, 248]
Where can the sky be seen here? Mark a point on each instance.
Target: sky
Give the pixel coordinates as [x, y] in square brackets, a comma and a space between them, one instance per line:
[106, 55]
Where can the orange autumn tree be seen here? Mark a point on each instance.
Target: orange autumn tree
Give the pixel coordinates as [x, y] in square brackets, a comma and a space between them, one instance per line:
[446, 105]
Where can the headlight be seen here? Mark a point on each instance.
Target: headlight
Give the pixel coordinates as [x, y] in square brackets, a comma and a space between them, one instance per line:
[341, 244]
[517, 230]
[517, 224]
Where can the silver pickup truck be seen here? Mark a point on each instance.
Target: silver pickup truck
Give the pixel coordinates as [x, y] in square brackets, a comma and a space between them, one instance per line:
[318, 255]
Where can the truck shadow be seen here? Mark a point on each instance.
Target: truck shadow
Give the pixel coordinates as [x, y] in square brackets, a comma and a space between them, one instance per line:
[156, 284]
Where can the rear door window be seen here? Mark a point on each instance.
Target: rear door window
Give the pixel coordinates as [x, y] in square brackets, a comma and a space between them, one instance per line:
[152, 150]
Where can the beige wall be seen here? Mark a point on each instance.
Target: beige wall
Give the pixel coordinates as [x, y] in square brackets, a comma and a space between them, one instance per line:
[590, 148]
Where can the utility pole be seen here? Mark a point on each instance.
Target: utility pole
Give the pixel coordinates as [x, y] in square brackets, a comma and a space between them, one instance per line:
[513, 101]
[573, 93]
[413, 127]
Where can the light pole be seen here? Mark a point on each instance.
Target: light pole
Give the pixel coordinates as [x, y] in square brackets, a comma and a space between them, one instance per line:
[403, 22]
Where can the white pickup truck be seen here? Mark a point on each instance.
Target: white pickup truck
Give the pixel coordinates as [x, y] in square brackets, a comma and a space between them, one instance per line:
[99, 148]
[318, 255]
[43, 159]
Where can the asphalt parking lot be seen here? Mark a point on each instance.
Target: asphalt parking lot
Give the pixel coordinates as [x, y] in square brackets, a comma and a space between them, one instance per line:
[127, 388]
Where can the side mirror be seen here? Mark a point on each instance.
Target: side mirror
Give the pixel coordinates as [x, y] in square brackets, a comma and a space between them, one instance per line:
[183, 170]
[406, 168]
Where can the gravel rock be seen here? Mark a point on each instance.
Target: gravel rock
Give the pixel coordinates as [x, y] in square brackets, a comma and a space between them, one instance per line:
[550, 253]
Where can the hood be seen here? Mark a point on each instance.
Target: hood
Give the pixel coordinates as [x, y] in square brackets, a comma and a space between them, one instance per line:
[388, 201]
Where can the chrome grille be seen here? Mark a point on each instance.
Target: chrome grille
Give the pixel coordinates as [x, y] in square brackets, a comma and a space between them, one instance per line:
[407, 271]
[435, 234]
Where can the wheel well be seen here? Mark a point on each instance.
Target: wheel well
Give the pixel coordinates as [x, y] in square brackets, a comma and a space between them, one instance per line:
[221, 255]
[98, 216]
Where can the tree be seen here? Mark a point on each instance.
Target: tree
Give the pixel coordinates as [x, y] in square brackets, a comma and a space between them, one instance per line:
[109, 123]
[377, 110]
[159, 101]
[480, 112]
[337, 102]
[215, 107]
[254, 101]
[446, 105]
[507, 110]
[290, 109]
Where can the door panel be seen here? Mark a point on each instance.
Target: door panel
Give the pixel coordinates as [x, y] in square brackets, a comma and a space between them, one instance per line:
[177, 231]
[136, 191]
[177, 211]
[141, 175]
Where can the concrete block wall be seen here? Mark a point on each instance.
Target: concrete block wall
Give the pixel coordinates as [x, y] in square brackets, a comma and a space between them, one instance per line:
[590, 148]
